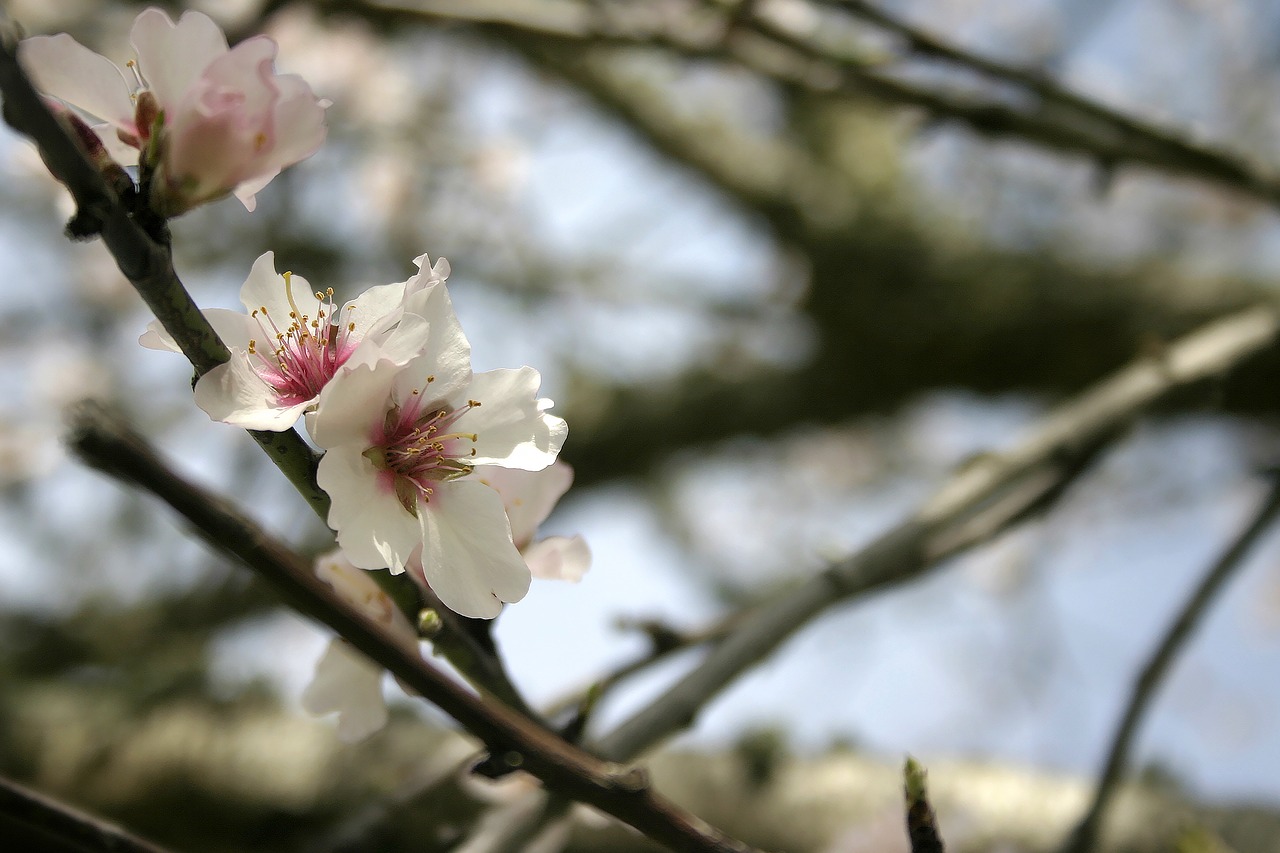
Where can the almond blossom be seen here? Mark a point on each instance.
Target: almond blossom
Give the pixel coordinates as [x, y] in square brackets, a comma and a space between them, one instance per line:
[401, 440]
[201, 120]
[346, 682]
[292, 341]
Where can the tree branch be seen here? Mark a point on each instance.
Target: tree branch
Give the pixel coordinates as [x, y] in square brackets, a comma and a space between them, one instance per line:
[1065, 121]
[34, 821]
[1051, 456]
[108, 444]
[1085, 835]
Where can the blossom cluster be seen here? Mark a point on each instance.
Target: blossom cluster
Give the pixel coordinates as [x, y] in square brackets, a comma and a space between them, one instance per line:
[432, 470]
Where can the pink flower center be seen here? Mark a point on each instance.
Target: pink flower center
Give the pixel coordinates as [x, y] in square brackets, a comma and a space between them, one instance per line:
[306, 352]
[419, 449]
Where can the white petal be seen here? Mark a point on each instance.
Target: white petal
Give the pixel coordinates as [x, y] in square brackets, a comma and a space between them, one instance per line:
[467, 555]
[374, 530]
[512, 427]
[173, 57]
[374, 305]
[155, 337]
[527, 496]
[62, 67]
[446, 353]
[357, 587]
[247, 191]
[353, 405]
[348, 683]
[561, 558]
[266, 288]
[431, 275]
[234, 394]
[232, 327]
[399, 347]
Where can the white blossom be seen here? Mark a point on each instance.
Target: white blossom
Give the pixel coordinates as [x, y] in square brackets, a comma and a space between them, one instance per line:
[346, 682]
[400, 440]
[291, 342]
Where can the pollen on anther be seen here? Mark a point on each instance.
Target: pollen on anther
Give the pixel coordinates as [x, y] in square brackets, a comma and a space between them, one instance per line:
[431, 378]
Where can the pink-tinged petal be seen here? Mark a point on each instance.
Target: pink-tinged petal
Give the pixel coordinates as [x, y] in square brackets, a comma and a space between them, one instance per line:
[248, 70]
[62, 67]
[353, 404]
[374, 530]
[231, 327]
[512, 428]
[235, 394]
[299, 122]
[173, 57]
[297, 131]
[350, 685]
[558, 558]
[527, 496]
[467, 555]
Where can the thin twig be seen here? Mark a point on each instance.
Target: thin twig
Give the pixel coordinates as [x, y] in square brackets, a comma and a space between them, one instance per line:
[1180, 631]
[944, 523]
[110, 445]
[1066, 122]
[664, 641]
[32, 821]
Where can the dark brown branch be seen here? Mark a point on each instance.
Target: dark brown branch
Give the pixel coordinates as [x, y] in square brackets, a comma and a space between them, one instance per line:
[106, 443]
[1085, 836]
[985, 497]
[32, 821]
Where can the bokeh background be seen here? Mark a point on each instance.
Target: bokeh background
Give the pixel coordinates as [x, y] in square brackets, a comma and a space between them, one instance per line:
[775, 316]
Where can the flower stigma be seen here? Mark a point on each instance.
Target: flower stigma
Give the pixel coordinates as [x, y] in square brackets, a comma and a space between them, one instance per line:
[419, 448]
